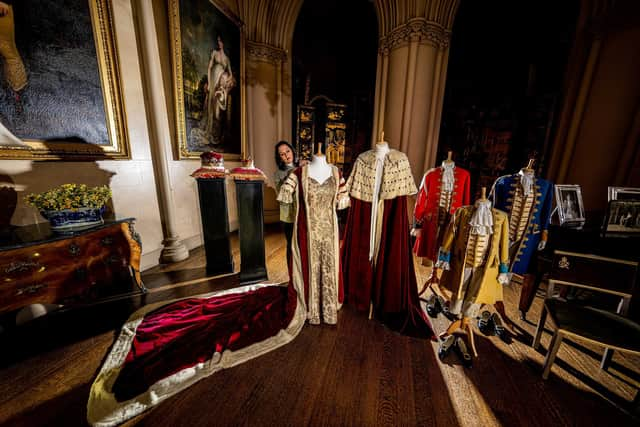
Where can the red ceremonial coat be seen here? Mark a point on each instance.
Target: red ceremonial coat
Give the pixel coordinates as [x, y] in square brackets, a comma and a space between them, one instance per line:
[428, 204]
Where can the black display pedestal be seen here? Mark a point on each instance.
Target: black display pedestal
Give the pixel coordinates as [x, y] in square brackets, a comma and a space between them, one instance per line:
[251, 218]
[215, 225]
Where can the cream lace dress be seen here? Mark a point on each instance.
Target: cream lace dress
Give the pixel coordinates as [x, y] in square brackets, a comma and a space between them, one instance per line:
[323, 298]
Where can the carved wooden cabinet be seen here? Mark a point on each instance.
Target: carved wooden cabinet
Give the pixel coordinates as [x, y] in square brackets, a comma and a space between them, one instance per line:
[38, 266]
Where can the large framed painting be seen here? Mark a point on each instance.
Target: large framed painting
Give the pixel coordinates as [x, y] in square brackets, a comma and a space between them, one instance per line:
[60, 88]
[208, 63]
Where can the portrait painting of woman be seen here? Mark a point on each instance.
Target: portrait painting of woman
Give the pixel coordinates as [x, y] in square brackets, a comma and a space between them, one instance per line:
[207, 83]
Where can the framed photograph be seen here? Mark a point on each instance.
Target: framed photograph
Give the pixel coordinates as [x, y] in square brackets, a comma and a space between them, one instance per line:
[569, 204]
[623, 193]
[623, 218]
[207, 52]
[60, 90]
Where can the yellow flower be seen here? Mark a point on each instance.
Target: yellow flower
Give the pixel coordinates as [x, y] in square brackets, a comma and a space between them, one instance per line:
[69, 196]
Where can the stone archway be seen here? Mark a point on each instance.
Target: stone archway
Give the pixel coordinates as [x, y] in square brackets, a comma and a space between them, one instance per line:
[410, 78]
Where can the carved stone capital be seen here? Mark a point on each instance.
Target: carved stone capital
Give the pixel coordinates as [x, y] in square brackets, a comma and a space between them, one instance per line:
[264, 52]
[418, 30]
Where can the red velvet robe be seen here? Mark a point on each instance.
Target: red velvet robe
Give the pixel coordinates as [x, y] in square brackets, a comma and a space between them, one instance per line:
[190, 331]
[428, 205]
[389, 283]
[166, 347]
[391, 287]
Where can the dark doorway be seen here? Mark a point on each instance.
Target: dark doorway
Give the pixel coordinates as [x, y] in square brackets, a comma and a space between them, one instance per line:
[334, 62]
[506, 69]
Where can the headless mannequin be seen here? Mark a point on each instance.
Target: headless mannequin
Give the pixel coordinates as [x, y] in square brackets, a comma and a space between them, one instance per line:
[528, 170]
[528, 278]
[418, 231]
[464, 322]
[381, 149]
[449, 160]
[319, 169]
[382, 146]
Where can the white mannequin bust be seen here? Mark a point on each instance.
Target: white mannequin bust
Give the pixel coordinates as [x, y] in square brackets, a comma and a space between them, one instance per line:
[319, 169]
[381, 149]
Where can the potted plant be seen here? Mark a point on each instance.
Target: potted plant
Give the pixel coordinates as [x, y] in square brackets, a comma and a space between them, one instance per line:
[71, 207]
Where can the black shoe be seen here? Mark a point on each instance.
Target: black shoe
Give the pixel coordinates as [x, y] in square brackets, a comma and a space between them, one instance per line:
[435, 304]
[464, 354]
[485, 323]
[446, 346]
[499, 328]
[431, 305]
[444, 307]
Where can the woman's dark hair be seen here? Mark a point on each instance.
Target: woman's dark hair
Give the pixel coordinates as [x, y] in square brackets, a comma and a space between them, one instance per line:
[282, 165]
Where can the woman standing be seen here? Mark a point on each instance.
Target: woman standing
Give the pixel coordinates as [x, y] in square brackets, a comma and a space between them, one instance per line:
[286, 162]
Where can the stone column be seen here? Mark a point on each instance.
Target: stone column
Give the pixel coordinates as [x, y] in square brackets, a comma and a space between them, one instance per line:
[268, 119]
[159, 132]
[412, 68]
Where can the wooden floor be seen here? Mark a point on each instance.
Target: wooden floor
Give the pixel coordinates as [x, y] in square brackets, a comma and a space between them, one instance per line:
[357, 373]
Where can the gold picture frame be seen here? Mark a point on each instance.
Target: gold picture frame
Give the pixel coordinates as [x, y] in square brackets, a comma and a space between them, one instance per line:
[207, 119]
[113, 143]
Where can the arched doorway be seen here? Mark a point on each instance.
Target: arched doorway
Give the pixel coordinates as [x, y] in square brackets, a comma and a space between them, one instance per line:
[334, 69]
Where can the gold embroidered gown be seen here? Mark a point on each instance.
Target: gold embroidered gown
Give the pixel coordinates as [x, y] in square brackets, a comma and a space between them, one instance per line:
[315, 246]
[323, 296]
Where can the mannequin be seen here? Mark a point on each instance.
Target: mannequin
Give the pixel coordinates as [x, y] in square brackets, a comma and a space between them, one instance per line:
[381, 150]
[381, 144]
[527, 200]
[478, 238]
[319, 169]
[379, 273]
[317, 191]
[528, 171]
[442, 190]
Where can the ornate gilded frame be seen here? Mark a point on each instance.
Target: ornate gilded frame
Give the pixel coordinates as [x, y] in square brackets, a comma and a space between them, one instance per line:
[181, 150]
[115, 117]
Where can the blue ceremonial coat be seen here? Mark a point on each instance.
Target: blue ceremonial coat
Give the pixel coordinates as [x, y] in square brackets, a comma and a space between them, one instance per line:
[502, 194]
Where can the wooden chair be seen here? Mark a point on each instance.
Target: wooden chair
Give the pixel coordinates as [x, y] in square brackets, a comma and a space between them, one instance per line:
[578, 321]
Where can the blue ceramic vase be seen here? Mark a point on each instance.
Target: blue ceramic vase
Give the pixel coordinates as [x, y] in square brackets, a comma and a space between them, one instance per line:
[73, 220]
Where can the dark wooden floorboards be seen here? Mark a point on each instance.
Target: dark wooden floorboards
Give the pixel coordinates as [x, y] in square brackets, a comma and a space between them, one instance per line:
[357, 373]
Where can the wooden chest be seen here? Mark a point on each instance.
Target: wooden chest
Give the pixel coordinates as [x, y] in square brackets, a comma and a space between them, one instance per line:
[37, 266]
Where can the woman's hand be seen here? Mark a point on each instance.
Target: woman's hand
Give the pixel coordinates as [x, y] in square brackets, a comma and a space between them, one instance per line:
[304, 162]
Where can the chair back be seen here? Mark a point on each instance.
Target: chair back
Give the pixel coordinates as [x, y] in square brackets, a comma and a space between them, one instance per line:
[609, 275]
